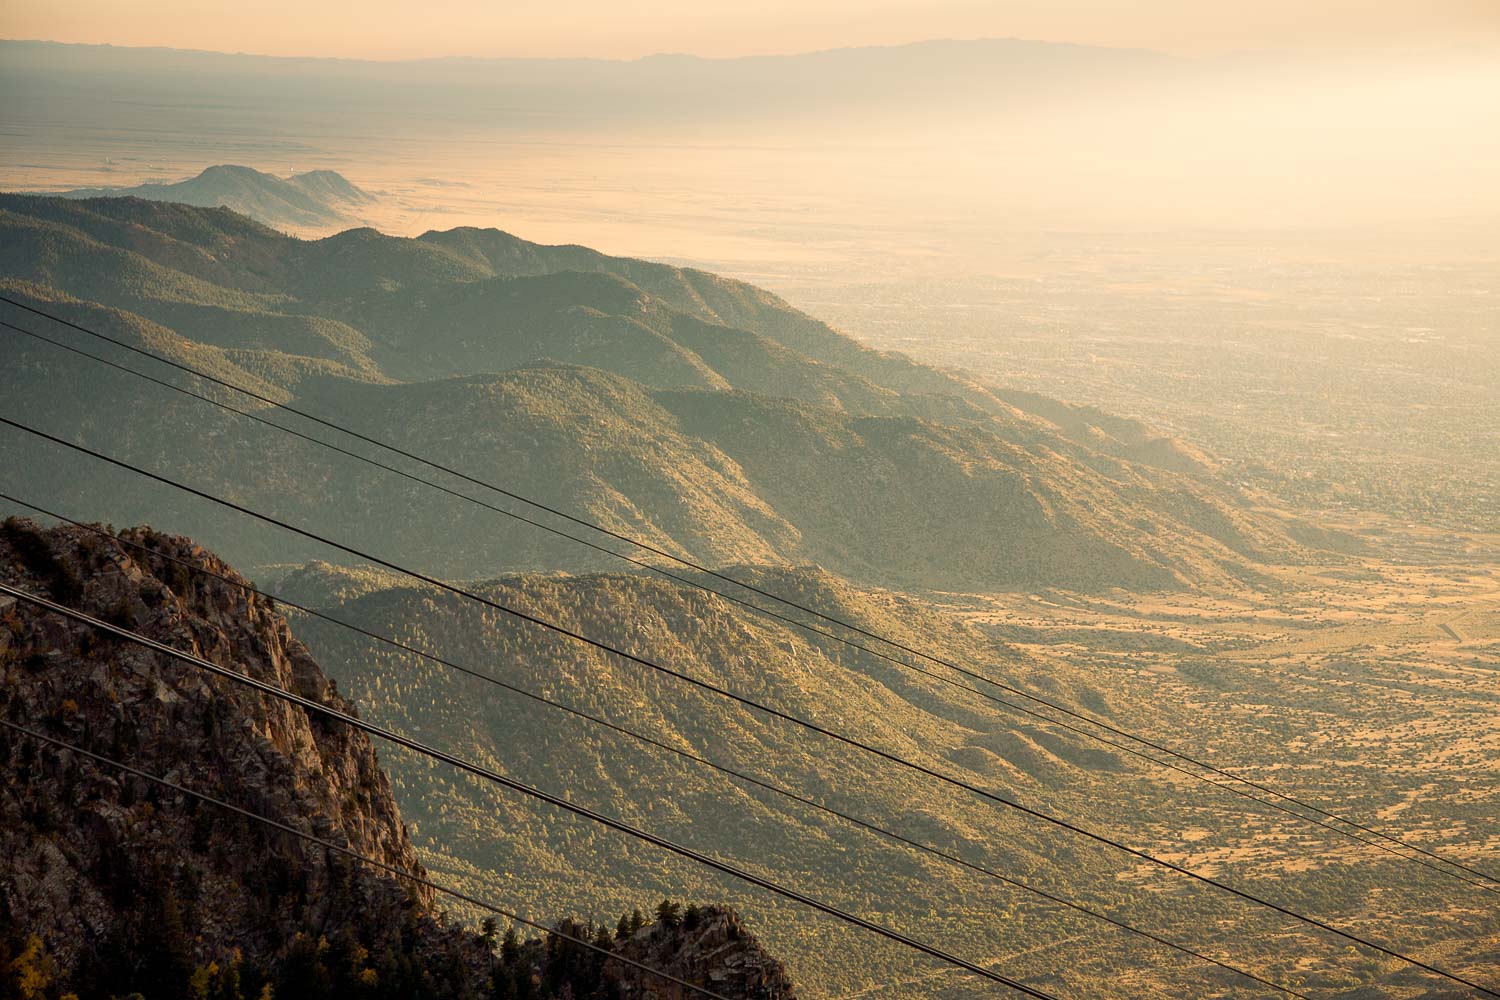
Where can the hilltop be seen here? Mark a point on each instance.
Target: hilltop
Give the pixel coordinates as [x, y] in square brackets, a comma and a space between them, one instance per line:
[318, 199]
[701, 413]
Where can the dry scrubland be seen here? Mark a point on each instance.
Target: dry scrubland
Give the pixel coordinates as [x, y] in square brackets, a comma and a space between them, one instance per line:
[1366, 685]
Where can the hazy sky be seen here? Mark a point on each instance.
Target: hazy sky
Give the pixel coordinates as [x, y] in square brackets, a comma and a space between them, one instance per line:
[384, 29]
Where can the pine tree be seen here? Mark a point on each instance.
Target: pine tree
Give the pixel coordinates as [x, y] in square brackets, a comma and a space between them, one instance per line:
[669, 914]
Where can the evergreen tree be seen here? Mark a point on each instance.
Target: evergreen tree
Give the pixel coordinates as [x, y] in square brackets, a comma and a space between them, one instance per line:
[669, 914]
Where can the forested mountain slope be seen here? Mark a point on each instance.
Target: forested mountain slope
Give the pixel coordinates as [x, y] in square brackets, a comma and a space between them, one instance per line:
[701, 413]
[555, 858]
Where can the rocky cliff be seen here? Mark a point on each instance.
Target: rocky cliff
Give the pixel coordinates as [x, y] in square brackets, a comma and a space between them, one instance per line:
[85, 848]
[111, 884]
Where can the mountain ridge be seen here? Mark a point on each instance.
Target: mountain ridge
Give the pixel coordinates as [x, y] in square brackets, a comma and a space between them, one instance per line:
[637, 393]
[311, 200]
[921, 43]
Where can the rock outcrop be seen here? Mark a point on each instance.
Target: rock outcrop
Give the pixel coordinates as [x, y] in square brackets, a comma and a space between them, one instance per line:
[709, 948]
[111, 884]
[88, 851]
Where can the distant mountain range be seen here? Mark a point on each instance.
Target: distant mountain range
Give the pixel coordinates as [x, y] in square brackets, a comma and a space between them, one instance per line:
[316, 199]
[702, 414]
[657, 86]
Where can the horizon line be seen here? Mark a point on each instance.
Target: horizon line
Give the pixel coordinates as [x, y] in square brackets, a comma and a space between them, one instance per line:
[1471, 48]
[664, 55]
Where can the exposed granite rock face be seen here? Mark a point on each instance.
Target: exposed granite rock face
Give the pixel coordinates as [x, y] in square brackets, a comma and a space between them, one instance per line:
[80, 843]
[714, 951]
[104, 867]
